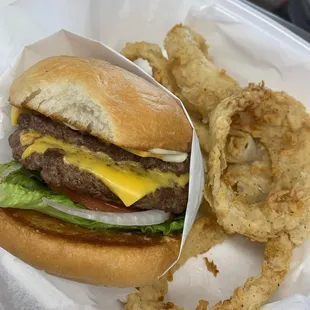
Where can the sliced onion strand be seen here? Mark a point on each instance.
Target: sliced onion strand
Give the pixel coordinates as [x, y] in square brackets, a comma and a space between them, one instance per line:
[9, 170]
[241, 149]
[142, 218]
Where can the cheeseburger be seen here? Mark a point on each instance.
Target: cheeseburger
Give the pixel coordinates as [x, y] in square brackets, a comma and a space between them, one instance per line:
[98, 187]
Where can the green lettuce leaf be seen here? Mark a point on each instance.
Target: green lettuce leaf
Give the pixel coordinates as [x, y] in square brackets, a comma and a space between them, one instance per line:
[22, 189]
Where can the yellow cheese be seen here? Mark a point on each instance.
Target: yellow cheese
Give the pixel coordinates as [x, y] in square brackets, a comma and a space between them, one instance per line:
[177, 158]
[129, 181]
[15, 113]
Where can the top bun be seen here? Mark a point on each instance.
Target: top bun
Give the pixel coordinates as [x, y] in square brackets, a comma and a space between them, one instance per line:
[104, 100]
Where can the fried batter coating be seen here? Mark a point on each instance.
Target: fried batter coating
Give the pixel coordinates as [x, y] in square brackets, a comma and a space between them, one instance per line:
[257, 290]
[265, 197]
[203, 134]
[251, 296]
[256, 144]
[203, 305]
[204, 234]
[151, 297]
[188, 72]
[200, 82]
[211, 266]
[152, 53]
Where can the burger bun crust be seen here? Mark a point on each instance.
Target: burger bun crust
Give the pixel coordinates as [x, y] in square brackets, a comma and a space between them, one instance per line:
[104, 100]
[108, 258]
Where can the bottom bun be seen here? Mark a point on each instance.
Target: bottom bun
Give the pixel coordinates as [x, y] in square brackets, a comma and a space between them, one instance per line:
[109, 258]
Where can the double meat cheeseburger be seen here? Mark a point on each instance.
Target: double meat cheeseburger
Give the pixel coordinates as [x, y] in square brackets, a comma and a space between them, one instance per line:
[98, 187]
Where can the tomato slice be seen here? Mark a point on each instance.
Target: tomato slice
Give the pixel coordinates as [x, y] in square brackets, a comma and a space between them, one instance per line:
[92, 203]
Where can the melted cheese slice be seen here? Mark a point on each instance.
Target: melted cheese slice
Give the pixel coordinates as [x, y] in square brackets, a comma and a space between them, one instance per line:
[129, 181]
[15, 113]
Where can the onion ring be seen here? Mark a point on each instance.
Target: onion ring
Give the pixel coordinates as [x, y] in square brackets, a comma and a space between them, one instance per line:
[152, 53]
[257, 290]
[200, 82]
[282, 126]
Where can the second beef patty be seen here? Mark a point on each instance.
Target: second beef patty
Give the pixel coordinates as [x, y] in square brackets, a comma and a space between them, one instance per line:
[57, 173]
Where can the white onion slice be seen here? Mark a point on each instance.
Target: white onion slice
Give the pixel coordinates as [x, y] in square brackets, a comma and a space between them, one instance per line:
[9, 170]
[170, 156]
[142, 218]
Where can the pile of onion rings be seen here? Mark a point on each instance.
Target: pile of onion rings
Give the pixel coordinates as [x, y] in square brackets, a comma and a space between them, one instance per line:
[255, 144]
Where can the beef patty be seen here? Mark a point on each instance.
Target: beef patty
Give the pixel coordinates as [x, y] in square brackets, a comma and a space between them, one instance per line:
[55, 172]
[60, 131]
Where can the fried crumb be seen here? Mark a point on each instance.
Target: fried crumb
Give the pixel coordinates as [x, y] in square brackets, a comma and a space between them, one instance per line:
[203, 305]
[211, 266]
[170, 275]
[171, 306]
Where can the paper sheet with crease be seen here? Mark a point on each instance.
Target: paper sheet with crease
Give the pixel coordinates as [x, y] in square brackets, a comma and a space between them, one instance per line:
[67, 43]
[243, 42]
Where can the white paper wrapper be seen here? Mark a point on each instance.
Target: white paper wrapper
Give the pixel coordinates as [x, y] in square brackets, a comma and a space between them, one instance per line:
[67, 43]
[245, 43]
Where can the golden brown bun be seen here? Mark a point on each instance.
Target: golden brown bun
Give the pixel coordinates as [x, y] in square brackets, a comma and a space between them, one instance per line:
[107, 258]
[104, 100]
